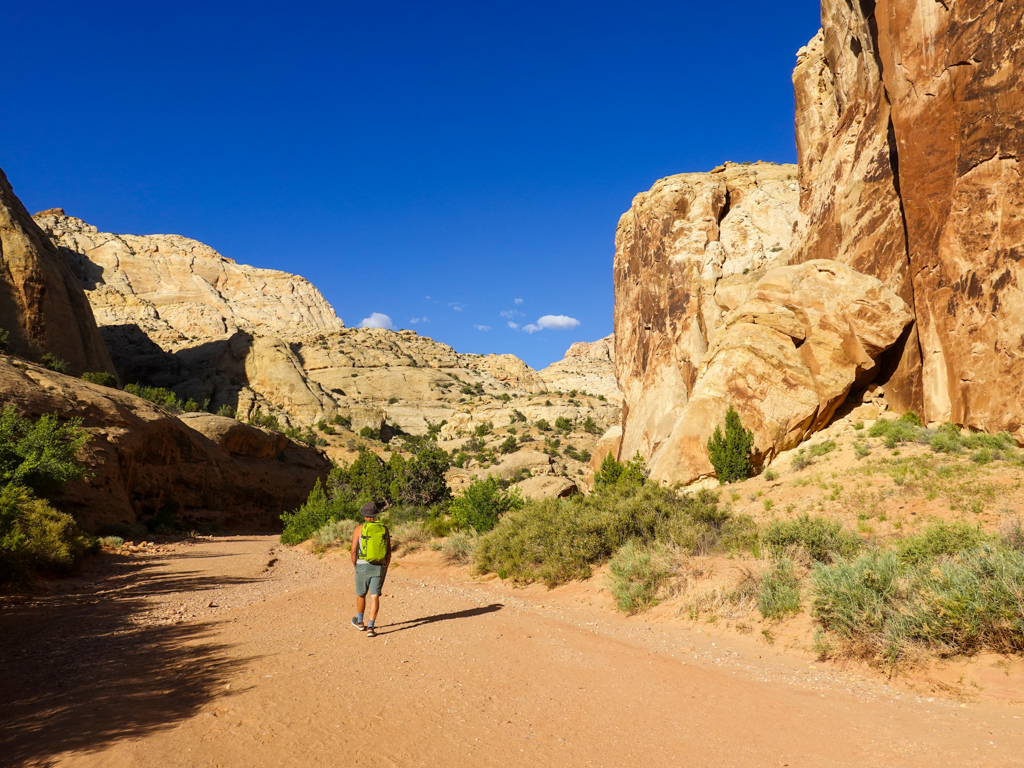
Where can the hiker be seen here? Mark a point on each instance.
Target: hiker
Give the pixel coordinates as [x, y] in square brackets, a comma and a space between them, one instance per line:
[371, 555]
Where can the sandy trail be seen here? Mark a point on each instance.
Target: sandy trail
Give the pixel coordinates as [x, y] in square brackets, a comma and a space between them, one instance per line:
[238, 652]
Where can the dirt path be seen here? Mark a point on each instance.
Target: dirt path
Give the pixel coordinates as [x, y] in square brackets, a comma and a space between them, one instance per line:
[238, 652]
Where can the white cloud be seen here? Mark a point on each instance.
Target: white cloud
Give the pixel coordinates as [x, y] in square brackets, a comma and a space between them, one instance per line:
[482, 327]
[554, 322]
[458, 306]
[513, 326]
[377, 320]
[508, 314]
[518, 302]
[558, 322]
[423, 319]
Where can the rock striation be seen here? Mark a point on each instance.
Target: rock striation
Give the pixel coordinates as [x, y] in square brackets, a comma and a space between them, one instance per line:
[42, 306]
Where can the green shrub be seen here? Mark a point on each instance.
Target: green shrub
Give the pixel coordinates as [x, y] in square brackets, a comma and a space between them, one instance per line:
[36, 537]
[731, 454]
[635, 575]
[317, 511]
[482, 429]
[409, 535]
[165, 398]
[614, 472]
[369, 433]
[55, 363]
[392, 400]
[111, 542]
[895, 431]
[433, 430]
[543, 425]
[100, 377]
[861, 450]
[771, 475]
[482, 503]
[5, 339]
[823, 539]
[337, 533]
[778, 594]
[910, 417]
[346, 421]
[226, 411]
[516, 415]
[557, 540]
[39, 455]
[590, 426]
[563, 424]
[939, 539]
[510, 445]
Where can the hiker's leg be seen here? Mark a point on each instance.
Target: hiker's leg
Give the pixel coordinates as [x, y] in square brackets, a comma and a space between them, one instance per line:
[360, 604]
[372, 608]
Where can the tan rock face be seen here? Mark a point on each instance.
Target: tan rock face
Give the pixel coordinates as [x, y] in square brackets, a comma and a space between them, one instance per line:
[42, 306]
[218, 471]
[686, 253]
[785, 359]
[175, 289]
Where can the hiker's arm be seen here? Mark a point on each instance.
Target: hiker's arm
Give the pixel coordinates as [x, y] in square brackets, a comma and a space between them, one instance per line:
[355, 544]
[387, 560]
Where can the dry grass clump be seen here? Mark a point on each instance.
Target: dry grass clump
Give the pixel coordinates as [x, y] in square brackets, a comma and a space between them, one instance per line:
[410, 536]
[637, 574]
[458, 548]
[337, 533]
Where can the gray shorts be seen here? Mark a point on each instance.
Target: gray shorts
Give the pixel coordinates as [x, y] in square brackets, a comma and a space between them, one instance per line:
[370, 578]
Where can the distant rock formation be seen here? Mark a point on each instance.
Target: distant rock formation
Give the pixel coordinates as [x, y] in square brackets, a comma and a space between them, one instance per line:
[910, 133]
[42, 306]
[586, 367]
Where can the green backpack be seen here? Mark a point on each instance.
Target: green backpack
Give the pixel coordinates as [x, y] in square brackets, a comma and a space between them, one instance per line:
[373, 543]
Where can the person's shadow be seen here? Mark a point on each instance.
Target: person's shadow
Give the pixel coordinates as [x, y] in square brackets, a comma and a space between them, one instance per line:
[398, 626]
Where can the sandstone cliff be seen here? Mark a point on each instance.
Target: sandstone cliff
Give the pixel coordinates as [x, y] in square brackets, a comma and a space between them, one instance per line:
[42, 306]
[909, 129]
[910, 119]
[586, 367]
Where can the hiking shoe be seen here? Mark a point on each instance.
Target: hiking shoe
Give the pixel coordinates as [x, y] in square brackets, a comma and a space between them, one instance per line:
[370, 632]
[358, 624]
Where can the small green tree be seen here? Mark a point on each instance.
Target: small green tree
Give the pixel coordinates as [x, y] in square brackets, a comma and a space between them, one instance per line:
[731, 454]
[482, 503]
[510, 445]
[614, 472]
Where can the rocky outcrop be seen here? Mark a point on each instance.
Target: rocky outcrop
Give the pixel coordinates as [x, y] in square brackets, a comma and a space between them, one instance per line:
[686, 253]
[213, 471]
[910, 116]
[586, 367]
[175, 289]
[42, 306]
[785, 359]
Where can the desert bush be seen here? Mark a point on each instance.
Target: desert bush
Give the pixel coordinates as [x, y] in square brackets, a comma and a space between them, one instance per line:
[894, 431]
[39, 455]
[563, 424]
[823, 539]
[36, 537]
[458, 548]
[336, 533]
[226, 411]
[635, 576]
[509, 445]
[482, 504]
[1012, 534]
[516, 415]
[590, 426]
[543, 425]
[731, 453]
[939, 539]
[778, 594]
[410, 535]
[5, 339]
[861, 450]
[100, 377]
[318, 510]
[369, 433]
[884, 608]
[55, 363]
[557, 540]
[483, 428]
[111, 542]
[771, 475]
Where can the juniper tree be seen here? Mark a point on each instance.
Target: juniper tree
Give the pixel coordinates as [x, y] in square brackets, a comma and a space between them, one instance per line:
[731, 454]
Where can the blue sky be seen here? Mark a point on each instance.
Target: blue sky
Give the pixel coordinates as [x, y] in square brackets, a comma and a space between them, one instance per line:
[478, 154]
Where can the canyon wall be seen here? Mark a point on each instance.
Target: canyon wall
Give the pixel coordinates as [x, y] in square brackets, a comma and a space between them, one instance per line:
[909, 131]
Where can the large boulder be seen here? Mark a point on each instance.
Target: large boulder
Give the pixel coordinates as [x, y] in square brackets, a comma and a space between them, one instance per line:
[688, 251]
[42, 306]
[141, 458]
[785, 359]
